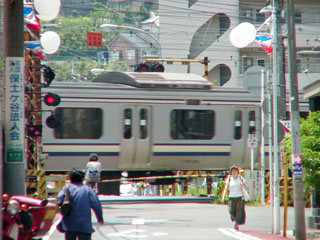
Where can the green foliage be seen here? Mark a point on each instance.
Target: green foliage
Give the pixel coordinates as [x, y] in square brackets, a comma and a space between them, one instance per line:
[310, 141]
[82, 69]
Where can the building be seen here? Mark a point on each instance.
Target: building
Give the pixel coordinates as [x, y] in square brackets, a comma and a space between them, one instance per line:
[133, 48]
[196, 28]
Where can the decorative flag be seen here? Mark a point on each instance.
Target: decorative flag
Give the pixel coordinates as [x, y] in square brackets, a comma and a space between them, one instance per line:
[32, 44]
[265, 41]
[152, 20]
[35, 47]
[30, 19]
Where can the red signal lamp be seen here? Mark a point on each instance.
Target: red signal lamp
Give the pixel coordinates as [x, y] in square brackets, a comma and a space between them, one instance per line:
[51, 99]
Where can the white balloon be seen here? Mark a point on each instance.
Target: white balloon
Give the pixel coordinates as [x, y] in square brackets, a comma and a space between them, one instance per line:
[242, 35]
[50, 42]
[47, 9]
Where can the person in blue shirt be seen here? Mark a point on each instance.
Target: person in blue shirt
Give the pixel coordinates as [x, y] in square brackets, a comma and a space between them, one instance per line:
[78, 225]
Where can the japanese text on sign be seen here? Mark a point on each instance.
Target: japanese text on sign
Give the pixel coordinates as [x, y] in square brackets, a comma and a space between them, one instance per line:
[14, 118]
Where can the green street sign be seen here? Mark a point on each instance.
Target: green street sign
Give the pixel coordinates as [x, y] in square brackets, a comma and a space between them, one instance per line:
[15, 155]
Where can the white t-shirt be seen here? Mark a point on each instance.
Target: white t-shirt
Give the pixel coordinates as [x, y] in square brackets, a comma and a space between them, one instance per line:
[235, 187]
[93, 171]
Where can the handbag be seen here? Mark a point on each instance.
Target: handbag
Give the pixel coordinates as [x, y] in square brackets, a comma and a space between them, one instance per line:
[244, 192]
[66, 205]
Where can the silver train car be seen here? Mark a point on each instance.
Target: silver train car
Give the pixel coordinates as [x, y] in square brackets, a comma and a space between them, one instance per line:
[150, 122]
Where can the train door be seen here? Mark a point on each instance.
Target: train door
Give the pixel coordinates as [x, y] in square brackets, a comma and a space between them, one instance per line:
[135, 147]
[244, 123]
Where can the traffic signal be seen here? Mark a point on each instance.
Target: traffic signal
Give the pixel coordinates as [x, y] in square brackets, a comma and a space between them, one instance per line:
[52, 121]
[49, 75]
[157, 68]
[142, 67]
[34, 130]
[51, 99]
[145, 67]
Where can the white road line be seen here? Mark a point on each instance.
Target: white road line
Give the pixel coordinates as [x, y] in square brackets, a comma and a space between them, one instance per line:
[130, 233]
[51, 231]
[236, 234]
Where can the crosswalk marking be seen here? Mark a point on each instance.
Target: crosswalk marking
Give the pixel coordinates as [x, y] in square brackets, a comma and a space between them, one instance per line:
[236, 234]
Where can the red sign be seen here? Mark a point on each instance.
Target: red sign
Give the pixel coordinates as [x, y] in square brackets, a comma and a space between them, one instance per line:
[94, 39]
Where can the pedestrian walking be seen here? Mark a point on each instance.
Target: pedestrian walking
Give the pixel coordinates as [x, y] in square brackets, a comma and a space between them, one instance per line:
[234, 185]
[78, 225]
[93, 169]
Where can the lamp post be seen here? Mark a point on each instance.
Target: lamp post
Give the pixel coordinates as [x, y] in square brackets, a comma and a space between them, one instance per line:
[113, 26]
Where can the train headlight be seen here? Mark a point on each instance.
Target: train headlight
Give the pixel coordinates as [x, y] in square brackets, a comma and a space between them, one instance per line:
[13, 207]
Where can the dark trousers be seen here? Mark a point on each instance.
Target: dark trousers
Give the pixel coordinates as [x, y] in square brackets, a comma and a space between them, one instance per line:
[77, 235]
[236, 210]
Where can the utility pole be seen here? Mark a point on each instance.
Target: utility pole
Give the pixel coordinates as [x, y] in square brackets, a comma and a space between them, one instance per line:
[300, 225]
[275, 80]
[13, 51]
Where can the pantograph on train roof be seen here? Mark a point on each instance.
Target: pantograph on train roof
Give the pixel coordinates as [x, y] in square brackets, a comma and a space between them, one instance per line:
[155, 80]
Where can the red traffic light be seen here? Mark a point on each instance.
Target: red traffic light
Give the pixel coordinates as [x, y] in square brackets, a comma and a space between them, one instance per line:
[157, 68]
[34, 130]
[142, 67]
[51, 99]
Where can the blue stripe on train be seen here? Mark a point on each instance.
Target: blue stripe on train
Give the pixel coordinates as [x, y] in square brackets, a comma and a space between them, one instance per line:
[80, 154]
[191, 154]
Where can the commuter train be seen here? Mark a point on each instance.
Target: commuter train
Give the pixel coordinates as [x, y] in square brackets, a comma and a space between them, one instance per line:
[150, 122]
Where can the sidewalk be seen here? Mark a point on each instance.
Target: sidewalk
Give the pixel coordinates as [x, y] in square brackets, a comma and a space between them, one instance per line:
[311, 235]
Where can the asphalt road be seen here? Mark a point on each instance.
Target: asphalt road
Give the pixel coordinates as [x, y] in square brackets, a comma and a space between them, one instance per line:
[182, 221]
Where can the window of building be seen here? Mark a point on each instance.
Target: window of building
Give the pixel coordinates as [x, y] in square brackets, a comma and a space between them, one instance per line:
[247, 62]
[192, 124]
[130, 54]
[115, 56]
[246, 15]
[79, 123]
[298, 16]
[237, 125]
[261, 62]
[299, 65]
[260, 17]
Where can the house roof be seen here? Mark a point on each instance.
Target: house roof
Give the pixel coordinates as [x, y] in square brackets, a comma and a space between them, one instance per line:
[137, 40]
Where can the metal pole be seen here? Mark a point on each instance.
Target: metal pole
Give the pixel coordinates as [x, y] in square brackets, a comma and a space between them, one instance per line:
[300, 225]
[13, 46]
[262, 177]
[270, 151]
[1, 116]
[275, 65]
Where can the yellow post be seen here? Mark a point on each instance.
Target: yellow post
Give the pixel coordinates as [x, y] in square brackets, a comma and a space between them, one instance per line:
[285, 194]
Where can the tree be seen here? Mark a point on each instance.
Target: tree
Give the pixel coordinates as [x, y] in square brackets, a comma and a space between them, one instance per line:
[82, 69]
[310, 141]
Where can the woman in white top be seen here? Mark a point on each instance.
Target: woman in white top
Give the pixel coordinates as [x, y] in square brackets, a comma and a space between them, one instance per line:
[93, 171]
[236, 199]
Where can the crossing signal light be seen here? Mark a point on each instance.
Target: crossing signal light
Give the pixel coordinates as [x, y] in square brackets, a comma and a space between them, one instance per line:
[157, 68]
[34, 130]
[49, 75]
[144, 67]
[51, 99]
[52, 121]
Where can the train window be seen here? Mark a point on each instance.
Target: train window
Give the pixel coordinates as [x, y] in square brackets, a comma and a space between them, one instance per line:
[143, 123]
[192, 124]
[237, 125]
[79, 123]
[127, 133]
[252, 122]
